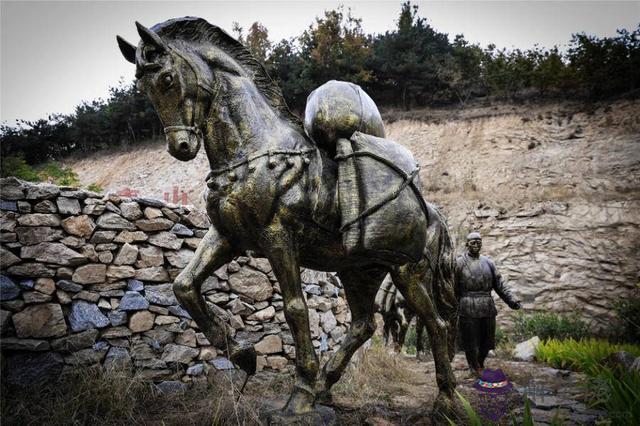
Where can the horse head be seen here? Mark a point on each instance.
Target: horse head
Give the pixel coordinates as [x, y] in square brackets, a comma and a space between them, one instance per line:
[186, 66]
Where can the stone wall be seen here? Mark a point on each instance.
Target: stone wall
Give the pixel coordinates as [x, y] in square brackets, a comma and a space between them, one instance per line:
[86, 280]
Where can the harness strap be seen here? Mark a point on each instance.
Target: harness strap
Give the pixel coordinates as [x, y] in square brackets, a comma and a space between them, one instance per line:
[407, 181]
[254, 157]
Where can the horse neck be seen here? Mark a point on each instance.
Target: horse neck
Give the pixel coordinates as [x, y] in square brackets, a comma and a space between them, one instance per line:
[244, 122]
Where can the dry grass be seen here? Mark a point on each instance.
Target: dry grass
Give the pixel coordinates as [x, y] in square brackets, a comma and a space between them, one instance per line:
[95, 396]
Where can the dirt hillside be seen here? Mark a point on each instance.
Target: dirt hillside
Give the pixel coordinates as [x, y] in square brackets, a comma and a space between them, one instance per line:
[554, 188]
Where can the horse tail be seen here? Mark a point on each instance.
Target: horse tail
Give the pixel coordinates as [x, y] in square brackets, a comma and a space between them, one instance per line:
[441, 263]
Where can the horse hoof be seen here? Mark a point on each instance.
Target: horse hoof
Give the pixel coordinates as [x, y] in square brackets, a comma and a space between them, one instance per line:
[244, 357]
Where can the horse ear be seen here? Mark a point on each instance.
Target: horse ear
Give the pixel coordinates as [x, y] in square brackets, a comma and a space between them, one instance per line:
[150, 37]
[128, 50]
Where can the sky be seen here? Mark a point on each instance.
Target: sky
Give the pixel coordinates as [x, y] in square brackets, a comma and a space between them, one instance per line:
[55, 54]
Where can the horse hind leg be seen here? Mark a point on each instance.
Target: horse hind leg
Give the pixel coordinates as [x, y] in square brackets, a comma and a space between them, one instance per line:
[360, 288]
[414, 280]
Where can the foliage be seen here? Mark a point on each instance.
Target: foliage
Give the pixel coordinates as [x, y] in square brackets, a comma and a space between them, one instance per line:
[549, 325]
[582, 355]
[628, 313]
[15, 165]
[94, 187]
[613, 388]
[86, 396]
[411, 339]
[60, 175]
[413, 65]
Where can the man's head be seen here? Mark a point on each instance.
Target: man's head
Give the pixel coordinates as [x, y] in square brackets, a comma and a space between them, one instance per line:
[474, 243]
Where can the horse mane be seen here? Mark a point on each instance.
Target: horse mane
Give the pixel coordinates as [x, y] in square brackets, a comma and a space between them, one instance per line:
[193, 29]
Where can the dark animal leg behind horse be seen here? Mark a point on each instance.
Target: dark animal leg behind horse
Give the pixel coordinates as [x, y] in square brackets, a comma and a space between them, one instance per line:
[280, 249]
[212, 253]
[360, 289]
[414, 281]
[419, 330]
[403, 328]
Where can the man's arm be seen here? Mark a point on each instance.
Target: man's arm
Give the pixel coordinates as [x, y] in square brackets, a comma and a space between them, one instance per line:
[501, 288]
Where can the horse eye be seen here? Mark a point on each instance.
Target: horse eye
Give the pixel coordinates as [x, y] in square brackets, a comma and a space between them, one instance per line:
[167, 80]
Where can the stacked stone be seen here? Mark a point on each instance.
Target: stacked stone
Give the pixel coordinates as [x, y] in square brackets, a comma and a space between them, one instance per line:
[86, 280]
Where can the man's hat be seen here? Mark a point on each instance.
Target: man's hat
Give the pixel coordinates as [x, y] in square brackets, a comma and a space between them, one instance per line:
[493, 381]
[474, 236]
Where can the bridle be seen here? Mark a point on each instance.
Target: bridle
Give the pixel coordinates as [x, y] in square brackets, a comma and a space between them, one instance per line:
[193, 127]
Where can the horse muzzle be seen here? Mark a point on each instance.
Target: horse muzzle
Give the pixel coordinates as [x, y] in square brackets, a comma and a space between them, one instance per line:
[183, 142]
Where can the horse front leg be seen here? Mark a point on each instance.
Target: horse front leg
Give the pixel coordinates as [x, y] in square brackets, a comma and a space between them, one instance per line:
[213, 252]
[280, 248]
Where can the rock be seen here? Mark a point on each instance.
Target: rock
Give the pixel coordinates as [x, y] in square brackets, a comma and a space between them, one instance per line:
[166, 240]
[134, 285]
[277, 362]
[263, 315]
[152, 213]
[84, 316]
[94, 209]
[150, 256]
[70, 286]
[181, 230]
[102, 237]
[7, 258]
[8, 205]
[86, 357]
[166, 319]
[105, 257]
[133, 301]
[179, 311]
[154, 274]
[180, 258]
[75, 342]
[171, 387]
[328, 321]
[117, 359]
[115, 221]
[41, 191]
[218, 297]
[40, 321]
[314, 323]
[161, 294]
[621, 360]
[119, 272]
[46, 206]
[179, 353]
[106, 247]
[251, 283]
[81, 226]
[153, 225]
[56, 253]
[31, 297]
[188, 338]
[5, 317]
[90, 274]
[192, 243]
[30, 369]
[236, 322]
[64, 273]
[197, 219]
[222, 364]
[12, 188]
[39, 219]
[195, 370]
[270, 344]
[313, 289]
[8, 289]
[34, 345]
[525, 351]
[117, 318]
[34, 235]
[130, 210]
[63, 297]
[130, 237]
[141, 321]
[73, 242]
[69, 206]
[127, 255]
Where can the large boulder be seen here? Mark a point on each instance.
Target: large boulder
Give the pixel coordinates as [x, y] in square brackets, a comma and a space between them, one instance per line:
[526, 351]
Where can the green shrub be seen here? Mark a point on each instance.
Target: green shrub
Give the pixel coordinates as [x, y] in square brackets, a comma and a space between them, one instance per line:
[628, 313]
[16, 166]
[548, 325]
[64, 176]
[95, 187]
[410, 340]
[614, 389]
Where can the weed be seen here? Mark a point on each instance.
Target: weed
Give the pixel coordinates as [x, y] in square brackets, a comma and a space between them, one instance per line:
[548, 325]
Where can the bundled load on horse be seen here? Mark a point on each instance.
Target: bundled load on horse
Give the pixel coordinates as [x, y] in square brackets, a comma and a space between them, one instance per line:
[377, 178]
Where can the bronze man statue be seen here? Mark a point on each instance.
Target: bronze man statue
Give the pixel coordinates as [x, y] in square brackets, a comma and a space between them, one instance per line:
[476, 276]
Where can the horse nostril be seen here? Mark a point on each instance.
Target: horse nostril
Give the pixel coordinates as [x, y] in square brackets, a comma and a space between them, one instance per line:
[184, 146]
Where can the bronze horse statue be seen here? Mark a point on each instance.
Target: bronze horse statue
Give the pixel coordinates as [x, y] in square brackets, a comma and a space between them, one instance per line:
[272, 191]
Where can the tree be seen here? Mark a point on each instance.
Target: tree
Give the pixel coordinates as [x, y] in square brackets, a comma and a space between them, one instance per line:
[257, 41]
